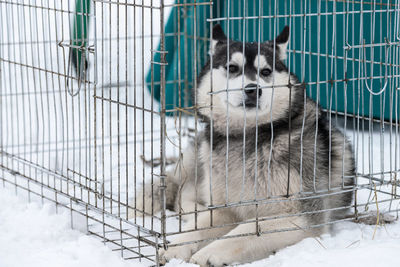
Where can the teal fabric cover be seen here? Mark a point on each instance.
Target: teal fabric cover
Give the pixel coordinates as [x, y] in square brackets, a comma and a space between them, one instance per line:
[342, 87]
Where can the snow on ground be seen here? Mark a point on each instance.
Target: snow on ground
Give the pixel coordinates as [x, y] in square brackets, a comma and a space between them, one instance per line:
[33, 235]
[350, 244]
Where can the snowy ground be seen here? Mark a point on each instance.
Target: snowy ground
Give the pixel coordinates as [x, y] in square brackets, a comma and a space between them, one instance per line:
[33, 235]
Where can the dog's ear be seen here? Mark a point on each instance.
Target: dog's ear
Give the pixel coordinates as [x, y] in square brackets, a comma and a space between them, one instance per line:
[281, 42]
[218, 36]
[218, 33]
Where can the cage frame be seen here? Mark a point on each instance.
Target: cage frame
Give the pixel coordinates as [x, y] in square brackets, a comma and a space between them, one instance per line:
[89, 186]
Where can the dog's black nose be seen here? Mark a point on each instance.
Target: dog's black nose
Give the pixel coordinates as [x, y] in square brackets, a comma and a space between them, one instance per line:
[251, 90]
[251, 93]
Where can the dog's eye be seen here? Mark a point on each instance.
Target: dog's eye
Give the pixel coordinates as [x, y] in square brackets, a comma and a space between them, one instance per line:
[265, 72]
[232, 68]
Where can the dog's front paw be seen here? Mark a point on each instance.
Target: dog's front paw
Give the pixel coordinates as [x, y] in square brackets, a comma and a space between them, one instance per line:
[180, 252]
[207, 257]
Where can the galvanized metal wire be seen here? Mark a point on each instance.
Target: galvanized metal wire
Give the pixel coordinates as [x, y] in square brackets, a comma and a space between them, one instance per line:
[89, 139]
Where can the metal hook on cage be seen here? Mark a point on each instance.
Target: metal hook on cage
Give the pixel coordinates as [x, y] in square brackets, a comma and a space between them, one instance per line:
[80, 72]
[365, 71]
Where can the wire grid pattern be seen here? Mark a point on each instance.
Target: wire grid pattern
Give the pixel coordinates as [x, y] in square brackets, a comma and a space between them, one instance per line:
[89, 141]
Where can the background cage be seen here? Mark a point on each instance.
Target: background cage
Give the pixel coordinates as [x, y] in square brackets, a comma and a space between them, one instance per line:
[88, 137]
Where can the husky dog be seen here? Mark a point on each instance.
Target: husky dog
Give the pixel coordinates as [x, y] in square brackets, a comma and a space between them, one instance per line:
[263, 140]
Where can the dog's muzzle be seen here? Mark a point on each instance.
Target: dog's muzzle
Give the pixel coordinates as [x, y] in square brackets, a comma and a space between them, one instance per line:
[252, 90]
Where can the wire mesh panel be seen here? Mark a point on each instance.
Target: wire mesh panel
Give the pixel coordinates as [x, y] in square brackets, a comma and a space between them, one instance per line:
[340, 52]
[77, 120]
[45, 130]
[166, 133]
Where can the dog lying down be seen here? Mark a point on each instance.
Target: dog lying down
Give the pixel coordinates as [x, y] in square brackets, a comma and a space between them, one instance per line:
[255, 106]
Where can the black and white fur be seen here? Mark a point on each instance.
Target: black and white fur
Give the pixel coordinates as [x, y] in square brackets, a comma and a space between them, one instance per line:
[255, 106]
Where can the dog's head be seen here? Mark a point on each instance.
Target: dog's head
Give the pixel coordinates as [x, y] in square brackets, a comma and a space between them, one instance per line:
[249, 83]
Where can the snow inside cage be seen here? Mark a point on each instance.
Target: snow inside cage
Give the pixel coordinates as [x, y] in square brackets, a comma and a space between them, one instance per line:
[149, 123]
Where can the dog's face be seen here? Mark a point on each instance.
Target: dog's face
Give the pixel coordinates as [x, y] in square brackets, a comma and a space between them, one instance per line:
[241, 80]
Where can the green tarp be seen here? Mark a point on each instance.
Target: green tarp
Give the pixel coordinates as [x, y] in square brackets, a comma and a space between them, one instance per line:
[336, 85]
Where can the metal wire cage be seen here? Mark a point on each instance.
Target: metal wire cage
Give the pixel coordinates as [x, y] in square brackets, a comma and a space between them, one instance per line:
[81, 124]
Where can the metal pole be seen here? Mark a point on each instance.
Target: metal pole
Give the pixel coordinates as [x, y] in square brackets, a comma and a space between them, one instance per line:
[162, 125]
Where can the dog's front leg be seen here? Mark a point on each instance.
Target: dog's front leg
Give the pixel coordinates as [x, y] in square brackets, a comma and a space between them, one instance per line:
[247, 249]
